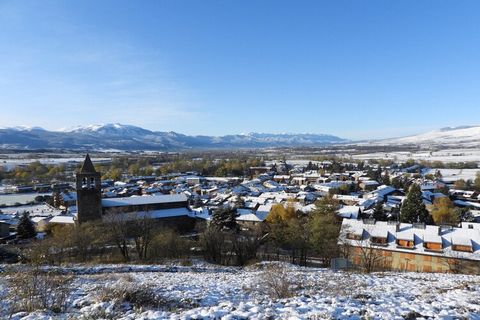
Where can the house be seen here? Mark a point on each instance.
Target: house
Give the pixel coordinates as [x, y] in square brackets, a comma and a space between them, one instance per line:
[249, 218]
[369, 185]
[349, 212]
[256, 171]
[413, 247]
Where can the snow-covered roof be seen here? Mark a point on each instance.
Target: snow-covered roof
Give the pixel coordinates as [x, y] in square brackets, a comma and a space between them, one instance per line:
[63, 219]
[467, 204]
[250, 216]
[464, 236]
[143, 200]
[265, 208]
[349, 212]
[165, 213]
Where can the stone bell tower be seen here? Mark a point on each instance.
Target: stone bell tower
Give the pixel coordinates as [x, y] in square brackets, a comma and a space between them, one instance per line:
[89, 193]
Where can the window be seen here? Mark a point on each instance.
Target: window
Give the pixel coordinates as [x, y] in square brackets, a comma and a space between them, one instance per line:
[433, 246]
[353, 236]
[379, 240]
[462, 248]
[405, 243]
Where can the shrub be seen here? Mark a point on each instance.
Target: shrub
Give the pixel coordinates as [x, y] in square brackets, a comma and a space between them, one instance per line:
[34, 289]
[140, 296]
[275, 282]
[168, 244]
[213, 243]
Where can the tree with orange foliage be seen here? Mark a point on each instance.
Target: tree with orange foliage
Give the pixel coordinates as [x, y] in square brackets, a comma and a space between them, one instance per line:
[443, 211]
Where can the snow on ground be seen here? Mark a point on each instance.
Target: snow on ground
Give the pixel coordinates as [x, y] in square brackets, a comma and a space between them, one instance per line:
[448, 136]
[208, 292]
[447, 155]
[452, 175]
[11, 163]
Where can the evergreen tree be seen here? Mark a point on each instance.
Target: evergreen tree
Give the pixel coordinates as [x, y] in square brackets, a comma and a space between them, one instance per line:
[413, 209]
[197, 203]
[360, 214]
[225, 218]
[309, 166]
[378, 213]
[26, 229]
[239, 203]
[386, 178]
[378, 174]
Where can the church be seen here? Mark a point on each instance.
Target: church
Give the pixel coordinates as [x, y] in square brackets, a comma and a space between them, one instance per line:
[172, 209]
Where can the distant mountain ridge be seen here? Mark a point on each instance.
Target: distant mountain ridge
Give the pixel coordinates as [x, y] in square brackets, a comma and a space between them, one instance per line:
[462, 136]
[127, 137]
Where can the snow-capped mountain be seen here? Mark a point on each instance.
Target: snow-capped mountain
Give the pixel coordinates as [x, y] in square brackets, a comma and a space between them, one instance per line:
[110, 129]
[464, 136]
[128, 137]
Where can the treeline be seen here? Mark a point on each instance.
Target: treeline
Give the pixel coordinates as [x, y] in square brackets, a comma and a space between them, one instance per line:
[287, 234]
[212, 167]
[34, 172]
[119, 238]
[37, 172]
[472, 185]
[179, 163]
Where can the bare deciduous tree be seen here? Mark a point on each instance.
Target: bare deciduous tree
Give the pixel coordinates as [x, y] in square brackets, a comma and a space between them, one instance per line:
[142, 231]
[371, 258]
[116, 226]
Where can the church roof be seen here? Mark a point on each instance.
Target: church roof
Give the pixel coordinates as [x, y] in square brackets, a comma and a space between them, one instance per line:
[87, 166]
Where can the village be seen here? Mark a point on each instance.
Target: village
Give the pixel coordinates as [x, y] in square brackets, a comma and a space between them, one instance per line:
[367, 199]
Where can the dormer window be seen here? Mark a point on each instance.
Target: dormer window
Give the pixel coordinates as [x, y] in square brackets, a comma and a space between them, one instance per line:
[432, 242]
[379, 240]
[405, 240]
[462, 244]
[354, 236]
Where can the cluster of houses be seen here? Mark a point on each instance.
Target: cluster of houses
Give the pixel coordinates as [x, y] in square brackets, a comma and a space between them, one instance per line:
[184, 197]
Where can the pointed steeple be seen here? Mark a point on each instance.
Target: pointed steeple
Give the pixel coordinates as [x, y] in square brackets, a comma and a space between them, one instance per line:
[87, 166]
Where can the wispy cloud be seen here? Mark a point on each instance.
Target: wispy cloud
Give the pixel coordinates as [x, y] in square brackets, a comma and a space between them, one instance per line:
[86, 77]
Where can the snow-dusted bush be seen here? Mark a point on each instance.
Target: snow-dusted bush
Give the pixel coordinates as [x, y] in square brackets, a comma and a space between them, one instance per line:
[276, 282]
[126, 292]
[34, 289]
[137, 295]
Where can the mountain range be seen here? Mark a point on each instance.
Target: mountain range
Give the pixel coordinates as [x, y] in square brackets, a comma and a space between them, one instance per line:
[129, 138]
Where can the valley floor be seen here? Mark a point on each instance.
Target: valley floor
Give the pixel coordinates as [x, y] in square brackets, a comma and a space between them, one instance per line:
[209, 292]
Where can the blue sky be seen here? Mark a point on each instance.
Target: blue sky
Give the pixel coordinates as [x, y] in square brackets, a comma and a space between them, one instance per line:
[357, 69]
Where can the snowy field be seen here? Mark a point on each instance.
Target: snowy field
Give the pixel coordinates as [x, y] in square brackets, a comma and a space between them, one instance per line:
[208, 292]
[22, 198]
[11, 163]
[448, 155]
[452, 175]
